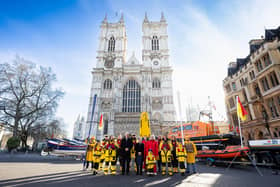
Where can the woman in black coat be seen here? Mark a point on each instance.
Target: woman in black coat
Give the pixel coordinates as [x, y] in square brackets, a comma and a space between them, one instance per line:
[139, 156]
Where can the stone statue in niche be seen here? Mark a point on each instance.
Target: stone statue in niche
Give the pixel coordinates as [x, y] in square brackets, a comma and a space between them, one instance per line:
[157, 103]
[109, 61]
[106, 105]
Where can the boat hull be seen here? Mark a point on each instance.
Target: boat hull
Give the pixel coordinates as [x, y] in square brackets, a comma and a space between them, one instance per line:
[57, 148]
[229, 152]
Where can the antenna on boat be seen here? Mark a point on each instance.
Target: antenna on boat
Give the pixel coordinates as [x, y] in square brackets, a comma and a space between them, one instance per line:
[210, 114]
[179, 106]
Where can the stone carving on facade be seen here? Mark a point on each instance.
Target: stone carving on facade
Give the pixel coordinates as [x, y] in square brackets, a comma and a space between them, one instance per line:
[155, 55]
[109, 61]
[106, 105]
[157, 103]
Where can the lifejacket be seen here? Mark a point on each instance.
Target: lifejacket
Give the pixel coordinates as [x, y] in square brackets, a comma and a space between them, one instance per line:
[165, 152]
[150, 160]
[97, 152]
[132, 151]
[181, 153]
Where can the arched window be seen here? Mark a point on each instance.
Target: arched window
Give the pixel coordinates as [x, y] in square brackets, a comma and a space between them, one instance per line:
[107, 84]
[156, 83]
[131, 97]
[155, 43]
[111, 46]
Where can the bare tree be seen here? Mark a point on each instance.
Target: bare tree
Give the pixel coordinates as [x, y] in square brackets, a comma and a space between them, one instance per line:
[27, 94]
[52, 129]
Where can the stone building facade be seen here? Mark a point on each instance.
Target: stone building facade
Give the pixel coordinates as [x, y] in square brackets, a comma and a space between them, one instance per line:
[79, 128]
[125, 88]
[255, 79]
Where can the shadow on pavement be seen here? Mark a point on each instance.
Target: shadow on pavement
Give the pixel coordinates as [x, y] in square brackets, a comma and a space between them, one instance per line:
[36, 158]
[208, 176]
[38, 178]
[82, 178]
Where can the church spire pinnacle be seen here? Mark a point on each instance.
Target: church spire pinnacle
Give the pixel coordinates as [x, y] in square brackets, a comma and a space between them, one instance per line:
[105, 19]
[162, 18]
[121, 19]
[146, 17]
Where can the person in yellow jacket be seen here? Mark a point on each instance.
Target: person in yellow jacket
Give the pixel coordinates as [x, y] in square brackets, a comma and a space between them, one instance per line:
[89, 153]
[181, 155]
[104, 142]
[110, 157]
[97, 152]
[150, 162]
[166, 156]
[132, 152]
[191, 153]
[173, 152]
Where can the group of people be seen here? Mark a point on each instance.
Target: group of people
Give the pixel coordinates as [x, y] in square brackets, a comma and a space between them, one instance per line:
[152, 155]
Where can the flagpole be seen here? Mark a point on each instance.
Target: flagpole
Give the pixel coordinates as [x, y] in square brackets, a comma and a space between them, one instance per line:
[92, 114]
[181, 124]
[241, 139]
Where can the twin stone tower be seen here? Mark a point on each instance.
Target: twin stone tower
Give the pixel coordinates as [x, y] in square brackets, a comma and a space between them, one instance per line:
[125, 88]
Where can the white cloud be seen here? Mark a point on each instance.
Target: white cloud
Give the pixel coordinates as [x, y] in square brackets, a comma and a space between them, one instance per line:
[202, 53]
[201, 46]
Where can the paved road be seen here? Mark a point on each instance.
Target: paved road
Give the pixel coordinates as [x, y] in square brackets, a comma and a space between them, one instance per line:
[56, 172]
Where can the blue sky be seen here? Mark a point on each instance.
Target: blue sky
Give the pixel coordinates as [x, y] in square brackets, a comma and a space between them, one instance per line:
[204, 36]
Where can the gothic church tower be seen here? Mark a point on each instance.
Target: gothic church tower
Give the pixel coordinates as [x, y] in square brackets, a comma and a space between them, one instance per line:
[127, 87]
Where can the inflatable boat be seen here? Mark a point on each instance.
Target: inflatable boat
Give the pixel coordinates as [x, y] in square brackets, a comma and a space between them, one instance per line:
[228, 152]
[62, 147]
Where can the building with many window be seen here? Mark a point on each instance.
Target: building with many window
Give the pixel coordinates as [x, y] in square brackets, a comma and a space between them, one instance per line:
[255, 79]
[125, 88]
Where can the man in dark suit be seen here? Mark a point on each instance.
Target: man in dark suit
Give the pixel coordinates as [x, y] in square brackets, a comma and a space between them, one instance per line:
[126, 145]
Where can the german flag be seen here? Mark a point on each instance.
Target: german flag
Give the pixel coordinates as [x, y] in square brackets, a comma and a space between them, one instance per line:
[241, 112]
